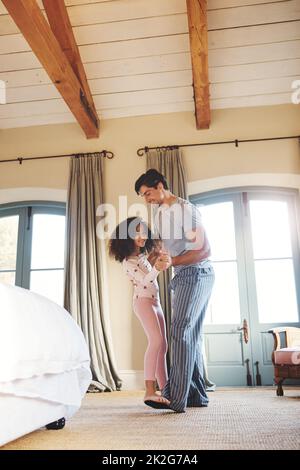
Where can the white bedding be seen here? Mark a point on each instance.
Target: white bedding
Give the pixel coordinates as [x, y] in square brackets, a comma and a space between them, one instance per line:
[24, 415]
[43, 354]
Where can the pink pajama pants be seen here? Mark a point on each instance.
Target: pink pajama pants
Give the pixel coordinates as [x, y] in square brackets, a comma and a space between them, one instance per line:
[152, 319]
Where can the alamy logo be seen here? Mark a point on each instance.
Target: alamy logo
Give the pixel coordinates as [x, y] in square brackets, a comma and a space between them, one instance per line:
[2, 92]
[296, 94]
[177, 223]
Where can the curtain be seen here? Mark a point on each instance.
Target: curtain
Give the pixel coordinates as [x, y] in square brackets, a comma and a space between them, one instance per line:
[169, 162]
[84, 268]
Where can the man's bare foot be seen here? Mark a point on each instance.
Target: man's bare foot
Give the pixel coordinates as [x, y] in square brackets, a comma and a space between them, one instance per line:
[156, 398]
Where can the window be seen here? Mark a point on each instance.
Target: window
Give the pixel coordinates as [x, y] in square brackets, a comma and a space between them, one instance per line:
[255, 253]
[220, 225]
[32, 240]
[273, 261]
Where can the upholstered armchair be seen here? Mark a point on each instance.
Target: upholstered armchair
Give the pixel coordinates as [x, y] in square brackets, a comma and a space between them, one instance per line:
[286, 355]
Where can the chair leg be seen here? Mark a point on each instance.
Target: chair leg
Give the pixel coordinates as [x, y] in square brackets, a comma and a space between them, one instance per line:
[279, 391]
[59, 424]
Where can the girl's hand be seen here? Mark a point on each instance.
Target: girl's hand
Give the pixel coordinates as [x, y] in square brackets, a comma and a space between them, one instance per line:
[164, 261]
[157, 249]
[155, 252]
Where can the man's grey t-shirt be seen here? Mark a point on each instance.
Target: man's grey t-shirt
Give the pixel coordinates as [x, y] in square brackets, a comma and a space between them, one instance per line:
[174, 224]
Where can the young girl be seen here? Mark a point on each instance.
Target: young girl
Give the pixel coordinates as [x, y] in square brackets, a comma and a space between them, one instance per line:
[130, 244]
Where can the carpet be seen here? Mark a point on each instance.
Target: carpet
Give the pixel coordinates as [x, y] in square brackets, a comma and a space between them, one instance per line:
[239, 418]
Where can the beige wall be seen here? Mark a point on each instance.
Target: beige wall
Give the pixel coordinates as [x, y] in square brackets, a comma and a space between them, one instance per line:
[211, 167]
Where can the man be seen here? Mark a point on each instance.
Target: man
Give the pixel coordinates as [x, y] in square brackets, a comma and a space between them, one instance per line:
[179, 225]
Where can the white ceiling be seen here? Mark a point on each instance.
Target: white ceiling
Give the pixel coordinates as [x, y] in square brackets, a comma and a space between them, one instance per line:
[137, 58]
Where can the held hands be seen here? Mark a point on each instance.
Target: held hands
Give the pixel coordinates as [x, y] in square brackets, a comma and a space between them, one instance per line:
[163, 262]
[155, 253]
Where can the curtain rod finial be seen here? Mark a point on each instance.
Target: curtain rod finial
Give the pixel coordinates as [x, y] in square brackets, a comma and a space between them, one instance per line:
[141, 151]
[108, 154]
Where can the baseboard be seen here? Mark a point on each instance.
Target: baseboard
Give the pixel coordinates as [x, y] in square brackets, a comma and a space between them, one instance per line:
[132, 379]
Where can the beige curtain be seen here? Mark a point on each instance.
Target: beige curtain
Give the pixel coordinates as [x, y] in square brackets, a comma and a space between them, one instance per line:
[84, 267]
[169, 162]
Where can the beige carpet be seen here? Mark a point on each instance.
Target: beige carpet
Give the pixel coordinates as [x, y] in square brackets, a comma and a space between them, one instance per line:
[235, 419]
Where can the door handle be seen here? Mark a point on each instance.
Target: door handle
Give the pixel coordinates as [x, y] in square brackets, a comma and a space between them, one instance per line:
[245, 330]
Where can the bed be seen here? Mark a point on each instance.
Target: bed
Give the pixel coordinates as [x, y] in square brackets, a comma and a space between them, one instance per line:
[44, 363]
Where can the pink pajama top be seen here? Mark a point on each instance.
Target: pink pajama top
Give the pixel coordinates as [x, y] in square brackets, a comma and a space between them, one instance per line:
[142, 275]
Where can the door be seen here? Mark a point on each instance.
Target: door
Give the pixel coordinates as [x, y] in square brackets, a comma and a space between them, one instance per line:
[272, 272]
[255, 253]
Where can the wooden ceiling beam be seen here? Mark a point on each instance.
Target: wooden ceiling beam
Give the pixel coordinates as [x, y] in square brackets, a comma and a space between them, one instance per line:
[62, 29]
[72, 87]
[197, 20]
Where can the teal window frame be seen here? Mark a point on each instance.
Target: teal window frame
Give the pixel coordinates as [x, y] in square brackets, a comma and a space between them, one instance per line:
[26, 210]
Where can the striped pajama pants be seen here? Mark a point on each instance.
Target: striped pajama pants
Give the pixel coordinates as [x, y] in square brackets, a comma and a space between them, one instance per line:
[192, 290]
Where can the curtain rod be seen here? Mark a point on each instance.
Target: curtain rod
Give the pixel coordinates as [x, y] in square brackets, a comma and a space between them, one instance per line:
[103, 153]
[141, 151]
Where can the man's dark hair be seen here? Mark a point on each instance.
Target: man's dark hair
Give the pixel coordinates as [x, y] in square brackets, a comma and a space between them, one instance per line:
[150, 179]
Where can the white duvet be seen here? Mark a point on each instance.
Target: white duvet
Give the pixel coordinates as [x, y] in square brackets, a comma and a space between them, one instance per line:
[43, 353]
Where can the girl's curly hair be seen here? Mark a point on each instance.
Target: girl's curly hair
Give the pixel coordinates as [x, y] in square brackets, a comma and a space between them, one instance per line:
[121, 243]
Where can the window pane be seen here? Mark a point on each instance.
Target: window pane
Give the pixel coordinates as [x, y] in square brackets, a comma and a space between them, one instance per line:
[270, 229]
[224, 306]
[49, 284]
[8, 241]
[276, 293]
[218, 220]
[48, 237]
[8, 278]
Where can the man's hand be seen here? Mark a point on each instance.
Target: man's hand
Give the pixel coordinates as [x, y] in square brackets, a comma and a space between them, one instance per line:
[205, 250]
[193, 256]
[163, 262]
